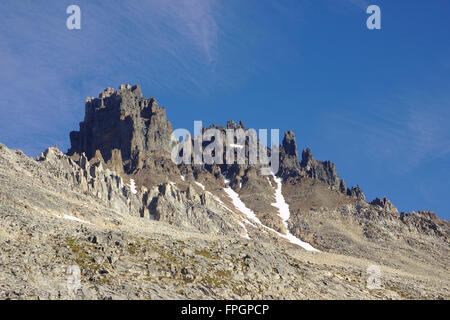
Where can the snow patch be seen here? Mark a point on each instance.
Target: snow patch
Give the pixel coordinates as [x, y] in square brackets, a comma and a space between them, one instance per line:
[237, 202]
[239, 146]
[65, 216]
[132, 186]
[217, 199]
[182, 178]
[246, 236]
[284, 213]
[200, 185]
[283, 207]
[250, 223]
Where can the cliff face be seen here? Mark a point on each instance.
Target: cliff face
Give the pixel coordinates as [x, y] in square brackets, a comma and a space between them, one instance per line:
[122, 120]
[289, 163]
[324, 171]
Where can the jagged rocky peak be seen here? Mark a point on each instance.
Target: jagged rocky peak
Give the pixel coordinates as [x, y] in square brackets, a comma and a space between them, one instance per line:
[326, 171]
[321, 170]
[426, 222]
[232, 125]
[356, 192]
[122, 120]
[289, 144]
[289, 163]
[385, 204]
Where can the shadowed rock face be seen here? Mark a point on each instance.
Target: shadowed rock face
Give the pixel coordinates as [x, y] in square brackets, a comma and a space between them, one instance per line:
[289, 164]
[385, 204]
[122, 120]
[426, 222]
[324, 171]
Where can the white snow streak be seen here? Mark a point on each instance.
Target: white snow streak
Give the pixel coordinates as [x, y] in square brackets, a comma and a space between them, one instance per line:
[133, 187]
[182, 178]
[239, 146]
[217, 199]
[65, 216]
[284, 213]
[245, 229]
[200, 185]
[237, 202]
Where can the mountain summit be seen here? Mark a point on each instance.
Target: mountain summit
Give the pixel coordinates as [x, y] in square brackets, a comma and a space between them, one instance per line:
[122, 120]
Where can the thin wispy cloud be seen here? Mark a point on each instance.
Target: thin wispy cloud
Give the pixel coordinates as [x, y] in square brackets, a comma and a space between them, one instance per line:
[405, 132]
[44, 66]
[361, 4]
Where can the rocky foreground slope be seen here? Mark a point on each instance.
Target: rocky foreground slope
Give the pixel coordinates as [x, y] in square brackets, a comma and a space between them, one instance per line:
[139, 226]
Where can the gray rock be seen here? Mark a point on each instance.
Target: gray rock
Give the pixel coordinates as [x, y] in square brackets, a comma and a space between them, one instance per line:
[122, 120]
[289, 163]
[174, 239]
[322, 170]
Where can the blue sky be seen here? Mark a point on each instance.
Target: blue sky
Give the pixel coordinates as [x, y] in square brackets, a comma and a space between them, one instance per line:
[375, 102]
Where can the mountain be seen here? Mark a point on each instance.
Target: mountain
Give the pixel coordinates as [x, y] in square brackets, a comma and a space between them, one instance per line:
[137, 225]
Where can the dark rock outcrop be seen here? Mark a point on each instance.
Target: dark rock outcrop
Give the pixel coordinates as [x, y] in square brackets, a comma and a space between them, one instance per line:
[426, 222]
[325, 171]
[356, 192]
[289, 163]
[385, 204]
[320, 170]
[122, 120]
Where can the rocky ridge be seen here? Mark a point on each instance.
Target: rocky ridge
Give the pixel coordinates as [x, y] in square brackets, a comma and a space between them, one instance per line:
[118, 178]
